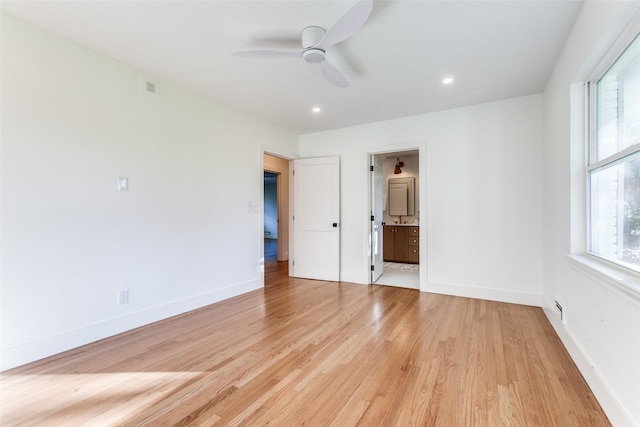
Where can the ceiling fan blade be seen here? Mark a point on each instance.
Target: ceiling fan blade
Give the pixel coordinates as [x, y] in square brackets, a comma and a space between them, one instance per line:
[333, 75]
[269, 54]
[347, 25]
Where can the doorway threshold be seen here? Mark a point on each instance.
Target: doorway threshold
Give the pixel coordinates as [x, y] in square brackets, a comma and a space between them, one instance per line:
[400, 275]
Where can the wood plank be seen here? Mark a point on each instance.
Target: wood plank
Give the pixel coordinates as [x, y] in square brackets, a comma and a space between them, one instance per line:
[315, 353]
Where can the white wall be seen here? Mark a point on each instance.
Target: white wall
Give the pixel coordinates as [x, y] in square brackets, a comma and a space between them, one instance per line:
[72, 122]
[482, 188]
[602, 330]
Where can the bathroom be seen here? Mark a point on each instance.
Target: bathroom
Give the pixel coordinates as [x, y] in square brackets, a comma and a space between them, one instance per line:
[400, 219]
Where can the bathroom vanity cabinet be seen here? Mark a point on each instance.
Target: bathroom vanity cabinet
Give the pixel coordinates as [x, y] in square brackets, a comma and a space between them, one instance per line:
[401, 243]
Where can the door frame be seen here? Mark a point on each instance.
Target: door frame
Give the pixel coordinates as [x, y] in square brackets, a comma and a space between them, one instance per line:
[366, 153]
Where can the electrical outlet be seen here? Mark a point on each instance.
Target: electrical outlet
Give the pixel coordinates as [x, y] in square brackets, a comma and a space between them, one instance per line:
[123, 296]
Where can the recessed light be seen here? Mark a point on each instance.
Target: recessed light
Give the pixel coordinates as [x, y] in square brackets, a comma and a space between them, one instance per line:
[447, 81]
[316, 110]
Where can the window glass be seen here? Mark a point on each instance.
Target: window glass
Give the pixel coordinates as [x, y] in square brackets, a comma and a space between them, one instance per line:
[618, 115]
[615, 212]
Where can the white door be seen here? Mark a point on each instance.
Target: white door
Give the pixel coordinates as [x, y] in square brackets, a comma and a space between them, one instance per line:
[377, 263]
[316, 218]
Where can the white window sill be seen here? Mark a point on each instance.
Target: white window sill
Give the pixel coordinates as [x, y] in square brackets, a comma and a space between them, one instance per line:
[621, 279]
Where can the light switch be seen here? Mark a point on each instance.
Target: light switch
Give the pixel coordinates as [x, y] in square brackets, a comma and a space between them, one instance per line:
[253, 207]
[123, 183]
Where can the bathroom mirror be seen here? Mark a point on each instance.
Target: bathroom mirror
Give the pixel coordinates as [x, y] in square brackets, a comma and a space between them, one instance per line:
[401, 196]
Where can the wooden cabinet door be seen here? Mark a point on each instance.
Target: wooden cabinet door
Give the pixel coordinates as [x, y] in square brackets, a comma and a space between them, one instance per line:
[388, 243]
[402, 244]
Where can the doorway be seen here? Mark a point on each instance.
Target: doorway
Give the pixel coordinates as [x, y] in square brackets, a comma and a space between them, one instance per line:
[395, 225]
[276, 208]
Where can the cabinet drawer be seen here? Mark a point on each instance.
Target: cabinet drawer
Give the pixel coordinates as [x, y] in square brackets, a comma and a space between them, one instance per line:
[414, 254]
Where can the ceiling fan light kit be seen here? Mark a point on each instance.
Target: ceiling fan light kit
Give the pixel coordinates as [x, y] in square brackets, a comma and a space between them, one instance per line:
[313, 56]
[315, 41]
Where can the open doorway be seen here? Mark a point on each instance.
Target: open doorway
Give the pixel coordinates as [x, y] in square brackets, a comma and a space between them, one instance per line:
[276, 208]
[395, 225]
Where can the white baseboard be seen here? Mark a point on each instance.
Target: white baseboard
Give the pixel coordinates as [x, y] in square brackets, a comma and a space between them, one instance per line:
[610, 405]
[354, 277]
[491, 294]
[36, 350]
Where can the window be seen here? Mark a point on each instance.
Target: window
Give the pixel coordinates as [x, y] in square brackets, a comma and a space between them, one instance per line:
[614, 162]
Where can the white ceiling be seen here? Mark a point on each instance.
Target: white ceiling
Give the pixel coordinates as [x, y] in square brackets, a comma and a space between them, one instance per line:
[395, 63]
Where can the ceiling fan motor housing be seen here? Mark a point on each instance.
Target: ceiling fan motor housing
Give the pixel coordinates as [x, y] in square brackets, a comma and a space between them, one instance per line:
[311, 36]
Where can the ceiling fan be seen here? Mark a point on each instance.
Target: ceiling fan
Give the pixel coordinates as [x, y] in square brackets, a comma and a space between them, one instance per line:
[316, 40]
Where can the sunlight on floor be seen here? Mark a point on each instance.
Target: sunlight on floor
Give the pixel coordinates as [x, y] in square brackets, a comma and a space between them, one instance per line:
[80, 398]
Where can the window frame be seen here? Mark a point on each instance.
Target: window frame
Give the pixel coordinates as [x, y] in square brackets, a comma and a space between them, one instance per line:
[622, 281]
[592, 163]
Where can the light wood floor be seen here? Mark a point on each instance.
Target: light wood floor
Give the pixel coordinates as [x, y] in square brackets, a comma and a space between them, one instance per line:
[303, 352]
